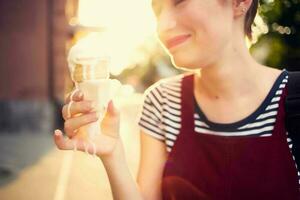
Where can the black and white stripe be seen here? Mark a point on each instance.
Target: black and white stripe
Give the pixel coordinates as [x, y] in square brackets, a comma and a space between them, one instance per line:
[161, 113]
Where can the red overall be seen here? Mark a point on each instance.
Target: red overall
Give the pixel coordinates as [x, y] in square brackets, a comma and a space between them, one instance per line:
[209, 167]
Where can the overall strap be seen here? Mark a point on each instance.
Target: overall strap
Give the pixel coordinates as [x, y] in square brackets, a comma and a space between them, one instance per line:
[292, 108]
[187, 103]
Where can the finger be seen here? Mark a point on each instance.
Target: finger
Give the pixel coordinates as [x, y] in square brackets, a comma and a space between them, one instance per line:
[73, 108]
[112, 115]
[61, 142]
[72, 124]
[112, 111]
[75, 95]
[69, 115]
[111, 123]
[67, 144]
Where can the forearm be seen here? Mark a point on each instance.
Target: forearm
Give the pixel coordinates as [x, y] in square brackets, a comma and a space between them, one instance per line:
[123, 184]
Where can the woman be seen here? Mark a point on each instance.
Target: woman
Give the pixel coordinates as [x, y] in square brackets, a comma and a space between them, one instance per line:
[216, 134]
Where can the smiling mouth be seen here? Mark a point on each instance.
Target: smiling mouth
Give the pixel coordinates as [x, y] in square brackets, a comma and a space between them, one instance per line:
[175, 41]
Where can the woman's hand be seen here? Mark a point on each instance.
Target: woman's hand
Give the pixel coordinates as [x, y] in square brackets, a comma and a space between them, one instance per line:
[78, 112]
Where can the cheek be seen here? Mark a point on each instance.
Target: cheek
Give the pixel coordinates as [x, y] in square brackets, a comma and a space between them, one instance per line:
[199, 24]
[209, 35]
[206, 19]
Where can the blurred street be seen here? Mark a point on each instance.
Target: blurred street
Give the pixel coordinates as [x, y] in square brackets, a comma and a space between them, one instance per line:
[38, 170]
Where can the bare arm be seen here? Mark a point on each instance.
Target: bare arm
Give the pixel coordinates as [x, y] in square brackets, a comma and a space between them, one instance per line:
[123, 185]
[152, 161]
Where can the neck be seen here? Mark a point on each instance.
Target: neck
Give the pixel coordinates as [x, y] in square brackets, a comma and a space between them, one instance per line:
[234, 74]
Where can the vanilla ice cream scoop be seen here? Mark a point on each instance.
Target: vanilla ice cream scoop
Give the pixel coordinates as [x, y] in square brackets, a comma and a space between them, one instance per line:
[89, 60]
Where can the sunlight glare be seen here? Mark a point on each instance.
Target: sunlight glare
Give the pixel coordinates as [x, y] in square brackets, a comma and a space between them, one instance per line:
[127, 25]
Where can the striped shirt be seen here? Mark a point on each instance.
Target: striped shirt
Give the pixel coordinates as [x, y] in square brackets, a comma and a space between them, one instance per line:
[161, 114]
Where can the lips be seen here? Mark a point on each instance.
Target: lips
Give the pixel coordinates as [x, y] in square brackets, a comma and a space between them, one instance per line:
[171, 43]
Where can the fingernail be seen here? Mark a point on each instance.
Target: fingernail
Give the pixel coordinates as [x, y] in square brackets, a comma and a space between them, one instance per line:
[57, 132]
[111, 106]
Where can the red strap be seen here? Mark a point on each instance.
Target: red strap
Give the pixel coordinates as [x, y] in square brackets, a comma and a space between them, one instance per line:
[187, 103]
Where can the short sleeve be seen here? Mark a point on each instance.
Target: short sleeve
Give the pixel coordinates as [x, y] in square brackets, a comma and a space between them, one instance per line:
[150, 119]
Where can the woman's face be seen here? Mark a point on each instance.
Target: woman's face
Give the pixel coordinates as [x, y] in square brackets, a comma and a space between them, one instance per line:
[194, 32]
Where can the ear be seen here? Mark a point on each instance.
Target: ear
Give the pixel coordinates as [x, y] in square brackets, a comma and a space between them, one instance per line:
[240, 7]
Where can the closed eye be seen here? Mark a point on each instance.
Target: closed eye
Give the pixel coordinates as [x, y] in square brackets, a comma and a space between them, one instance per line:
[177, 2]
[157, 5]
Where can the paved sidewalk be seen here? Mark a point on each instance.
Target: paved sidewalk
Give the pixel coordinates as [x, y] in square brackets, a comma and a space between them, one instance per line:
[42, 172]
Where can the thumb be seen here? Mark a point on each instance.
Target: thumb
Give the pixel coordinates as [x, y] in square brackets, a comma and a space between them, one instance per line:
[112, 111]
[111, 122]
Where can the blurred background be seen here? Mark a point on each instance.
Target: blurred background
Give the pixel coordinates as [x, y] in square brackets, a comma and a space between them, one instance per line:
[35, 37]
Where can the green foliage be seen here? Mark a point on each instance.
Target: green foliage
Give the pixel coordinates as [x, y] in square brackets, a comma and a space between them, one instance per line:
[283, 39]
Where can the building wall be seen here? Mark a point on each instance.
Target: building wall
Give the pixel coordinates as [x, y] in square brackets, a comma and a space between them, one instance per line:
[33, 35]
[60, 35]
[26, 53]
[23, 48]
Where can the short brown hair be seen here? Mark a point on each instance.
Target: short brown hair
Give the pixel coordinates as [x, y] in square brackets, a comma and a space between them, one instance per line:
[249, 19]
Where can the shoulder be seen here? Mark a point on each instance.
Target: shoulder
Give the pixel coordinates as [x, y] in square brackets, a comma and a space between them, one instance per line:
[174, 81]
[165, 86]
[271, 73]
[271, 78]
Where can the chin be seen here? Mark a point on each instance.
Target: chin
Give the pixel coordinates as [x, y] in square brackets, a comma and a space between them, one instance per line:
[185, 63]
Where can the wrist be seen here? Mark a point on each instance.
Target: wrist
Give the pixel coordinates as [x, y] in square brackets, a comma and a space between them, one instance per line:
[116, 156]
